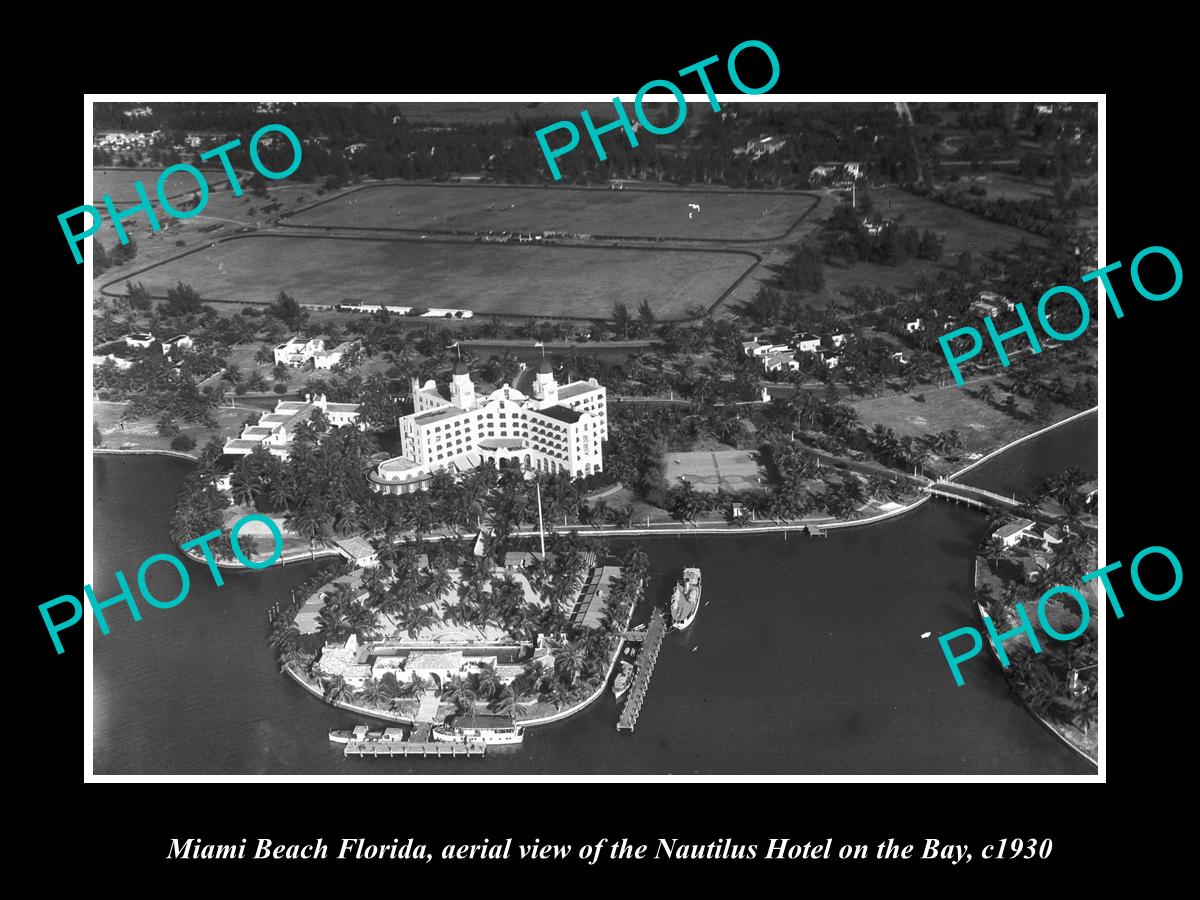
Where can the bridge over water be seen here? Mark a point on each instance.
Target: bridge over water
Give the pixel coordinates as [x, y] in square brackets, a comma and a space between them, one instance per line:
[975, 496]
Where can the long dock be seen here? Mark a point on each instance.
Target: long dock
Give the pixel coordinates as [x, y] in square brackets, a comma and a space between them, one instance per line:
[645, 663]
[409, 748]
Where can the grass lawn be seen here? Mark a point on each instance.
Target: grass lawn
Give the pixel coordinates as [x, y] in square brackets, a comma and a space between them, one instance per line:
[707, 471]
[265, 542]
[118, 183]
[661, 212]
[962, 230]
[487, 278]
[142, 434]
[982, 426]
[223, 209]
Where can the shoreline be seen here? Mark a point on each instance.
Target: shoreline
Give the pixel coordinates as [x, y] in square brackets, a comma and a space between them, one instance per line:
[558, 716]
[146, 452]
[979, 462]
[1048, 725]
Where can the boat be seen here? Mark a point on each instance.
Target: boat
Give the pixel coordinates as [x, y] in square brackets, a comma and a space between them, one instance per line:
[362, 733]
[480, 730]
[624, 679]
[686, 600]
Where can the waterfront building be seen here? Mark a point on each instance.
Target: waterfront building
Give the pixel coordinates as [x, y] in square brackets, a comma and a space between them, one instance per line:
[358, 550]
[535, 424]
[275, 430]
[1012, 533]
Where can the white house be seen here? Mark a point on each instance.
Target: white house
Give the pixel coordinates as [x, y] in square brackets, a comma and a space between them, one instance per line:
[115, 360]
[774, 362]
[759, 350]
[987, 309]
[914, 325]
[1088, 492]
[142, 339]
[344, 661]
[180, 342]
[296, 351]
[997, 300]
[327, 359]
[838, 339]
[275, 430]
[807, 343]
[359, 551]
[1012, 533]
[830, 357]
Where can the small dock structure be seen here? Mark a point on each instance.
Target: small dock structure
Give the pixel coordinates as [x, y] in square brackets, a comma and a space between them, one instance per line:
[651, 645]
[423, 749]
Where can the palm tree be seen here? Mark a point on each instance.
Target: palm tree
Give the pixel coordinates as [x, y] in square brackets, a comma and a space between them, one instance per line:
[331, 622]
[373, 692]
[294, 657]
[337, 691]
[264, 354]
[460, 694]
[284, 634]
[416, 620]
[486, 682]
[621, 319]
[505, 703]
[570, 659]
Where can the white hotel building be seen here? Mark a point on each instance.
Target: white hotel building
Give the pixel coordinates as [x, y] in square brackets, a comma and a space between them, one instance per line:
[533, 424]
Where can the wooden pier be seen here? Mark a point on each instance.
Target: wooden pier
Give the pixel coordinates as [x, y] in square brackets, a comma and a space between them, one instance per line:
[423, 749]
[651, 645]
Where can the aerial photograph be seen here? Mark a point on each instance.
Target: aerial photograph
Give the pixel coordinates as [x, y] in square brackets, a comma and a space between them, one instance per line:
[658, 467]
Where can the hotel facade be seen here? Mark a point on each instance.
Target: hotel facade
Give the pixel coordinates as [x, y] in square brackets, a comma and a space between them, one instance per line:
[533, 424]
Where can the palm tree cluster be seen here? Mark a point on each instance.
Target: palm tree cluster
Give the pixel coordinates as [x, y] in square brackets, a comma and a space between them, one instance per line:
[320, 489]
[156, 389]
[1060, 683]
[581, 657]
[414, 593]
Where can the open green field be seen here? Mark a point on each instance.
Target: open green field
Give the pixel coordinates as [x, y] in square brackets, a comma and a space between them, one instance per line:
[982, 426]
[723, 215]
[142, 434]
[118, 183]
[581, 282]
[962, 230]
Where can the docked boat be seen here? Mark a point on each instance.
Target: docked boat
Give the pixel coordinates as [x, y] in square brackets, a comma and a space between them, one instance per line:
[685, 602]
[362, 733]
[480, 730]
[624, 679]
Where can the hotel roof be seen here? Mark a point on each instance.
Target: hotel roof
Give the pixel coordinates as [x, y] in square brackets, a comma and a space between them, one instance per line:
[437, 415]
[561, 413]
[575, 388]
